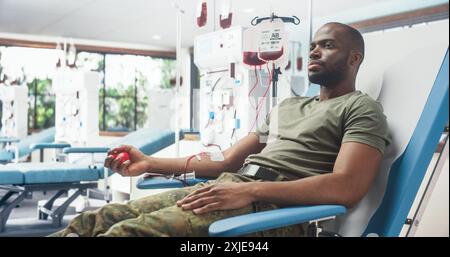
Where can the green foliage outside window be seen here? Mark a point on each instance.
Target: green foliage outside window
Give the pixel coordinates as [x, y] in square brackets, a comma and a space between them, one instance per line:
[41, 111]
[120, 105]
[168, 72]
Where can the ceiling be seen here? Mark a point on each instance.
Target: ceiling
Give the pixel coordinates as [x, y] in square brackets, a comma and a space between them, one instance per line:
[138, 21]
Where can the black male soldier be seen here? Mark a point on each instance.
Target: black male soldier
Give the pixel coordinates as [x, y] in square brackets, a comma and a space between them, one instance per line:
[319, 150]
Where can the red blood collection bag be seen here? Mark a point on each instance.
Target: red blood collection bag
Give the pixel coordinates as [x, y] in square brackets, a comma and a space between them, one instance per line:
[202, 13]
[226, 15]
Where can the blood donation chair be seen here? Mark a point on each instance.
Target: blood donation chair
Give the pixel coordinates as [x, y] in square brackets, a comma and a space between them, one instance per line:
[20, 180]
[417, 110]
[416, 119]
[13, 149]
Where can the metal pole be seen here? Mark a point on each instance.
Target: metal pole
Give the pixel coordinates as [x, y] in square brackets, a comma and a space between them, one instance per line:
[104, 92]
[179, 12]
[35, 104]
[135, 100]
[63, 65]
[214, 15]
[310, 21]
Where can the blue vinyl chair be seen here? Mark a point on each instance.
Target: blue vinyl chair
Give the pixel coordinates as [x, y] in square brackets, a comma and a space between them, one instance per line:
[403, 177]
[21, 148]
[20, 180]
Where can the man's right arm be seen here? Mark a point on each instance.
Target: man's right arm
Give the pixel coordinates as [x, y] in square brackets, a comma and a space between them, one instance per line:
[234, 159]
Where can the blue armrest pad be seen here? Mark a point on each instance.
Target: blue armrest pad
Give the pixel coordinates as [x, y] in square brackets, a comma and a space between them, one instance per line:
[6, 156]
[149, 141]
[40, 146]
[44, 136]
[162, 182]
[85, 150]
[260, 221]
[9, 140]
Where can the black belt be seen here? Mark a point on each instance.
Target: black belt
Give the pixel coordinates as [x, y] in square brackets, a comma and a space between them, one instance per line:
[258, 172]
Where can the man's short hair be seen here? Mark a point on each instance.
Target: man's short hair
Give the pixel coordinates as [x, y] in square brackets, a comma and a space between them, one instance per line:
[355, 39]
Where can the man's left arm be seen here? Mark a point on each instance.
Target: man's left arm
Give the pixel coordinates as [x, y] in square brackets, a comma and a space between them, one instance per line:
[354, 171]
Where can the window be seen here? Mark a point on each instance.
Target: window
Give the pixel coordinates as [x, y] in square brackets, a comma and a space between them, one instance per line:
[124, 89]
[33, 68]
[125, 95]
[41, 105]
[126, 80]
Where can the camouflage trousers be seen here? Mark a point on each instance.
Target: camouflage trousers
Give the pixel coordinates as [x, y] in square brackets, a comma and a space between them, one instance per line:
[158, 215]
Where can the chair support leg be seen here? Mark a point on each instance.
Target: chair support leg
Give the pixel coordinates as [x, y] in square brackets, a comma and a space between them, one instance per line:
[58, 214]
[4, 214]
[45, 210]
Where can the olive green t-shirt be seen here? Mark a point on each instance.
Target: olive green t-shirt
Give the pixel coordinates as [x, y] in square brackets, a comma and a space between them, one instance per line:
[304, 135]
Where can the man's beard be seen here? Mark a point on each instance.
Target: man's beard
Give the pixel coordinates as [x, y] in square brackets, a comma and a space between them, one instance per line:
[330, 76]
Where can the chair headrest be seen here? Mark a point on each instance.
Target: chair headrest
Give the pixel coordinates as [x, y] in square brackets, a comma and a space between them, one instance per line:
[370, 80]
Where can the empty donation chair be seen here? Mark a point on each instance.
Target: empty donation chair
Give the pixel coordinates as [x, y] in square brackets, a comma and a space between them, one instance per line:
[20, 180]
[14, 149]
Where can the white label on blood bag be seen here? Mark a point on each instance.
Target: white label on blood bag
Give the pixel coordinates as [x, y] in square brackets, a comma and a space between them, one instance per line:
[271, 36]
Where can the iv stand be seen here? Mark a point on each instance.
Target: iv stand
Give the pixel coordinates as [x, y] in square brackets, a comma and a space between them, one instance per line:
[310, 19]
[294, 19]
[179, 12]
